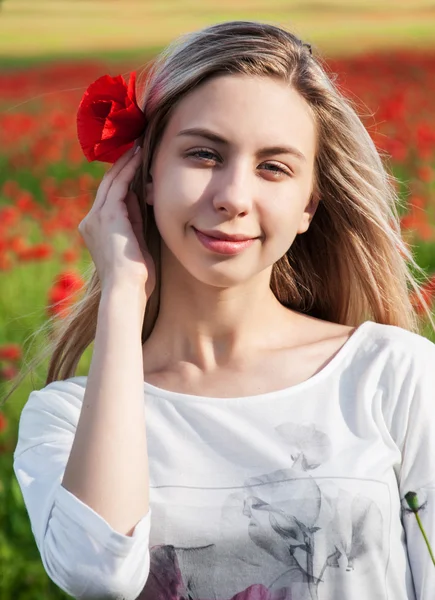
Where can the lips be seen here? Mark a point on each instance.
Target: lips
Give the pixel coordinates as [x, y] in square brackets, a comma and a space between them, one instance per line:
[223, 246]
[219, 235]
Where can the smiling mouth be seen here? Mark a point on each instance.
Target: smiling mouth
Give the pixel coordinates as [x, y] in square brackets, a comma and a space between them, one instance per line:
[223, 246]
[220, 235]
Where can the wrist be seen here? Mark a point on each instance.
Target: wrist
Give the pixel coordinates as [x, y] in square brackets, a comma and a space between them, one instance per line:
[126, 295]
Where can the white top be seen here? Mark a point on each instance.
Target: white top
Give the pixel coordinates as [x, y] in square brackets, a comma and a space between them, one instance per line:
[294, 494]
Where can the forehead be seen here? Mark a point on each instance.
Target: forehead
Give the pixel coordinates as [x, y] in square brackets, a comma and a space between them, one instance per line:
[246, 108]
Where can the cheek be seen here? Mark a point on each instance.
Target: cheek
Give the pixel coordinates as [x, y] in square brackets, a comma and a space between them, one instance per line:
[280, 215]
[280, 223]
[178, 190]
[174, 209]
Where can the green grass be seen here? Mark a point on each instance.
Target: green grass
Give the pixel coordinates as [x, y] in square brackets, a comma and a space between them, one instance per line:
[132, 28]
[22, 312]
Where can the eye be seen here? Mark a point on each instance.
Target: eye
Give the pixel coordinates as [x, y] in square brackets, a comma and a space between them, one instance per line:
[204, 154]
[278, 170]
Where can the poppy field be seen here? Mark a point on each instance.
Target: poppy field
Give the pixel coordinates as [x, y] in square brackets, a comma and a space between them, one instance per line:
[47, 187]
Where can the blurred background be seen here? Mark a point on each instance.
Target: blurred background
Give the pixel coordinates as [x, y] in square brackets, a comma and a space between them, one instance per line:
[383, 53]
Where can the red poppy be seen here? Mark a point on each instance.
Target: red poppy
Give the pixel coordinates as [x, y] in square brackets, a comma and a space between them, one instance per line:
[10, 352]
[62, 293]
[9, 215]
[70, 255]
[17, 244]
[69, 281]
[426, 173]
[427, 290]
[109, 119]
[40, 251]
[25, 201]
[7, 373]
[10, 188]
[59, 302]
[5, 262]
[3, 420]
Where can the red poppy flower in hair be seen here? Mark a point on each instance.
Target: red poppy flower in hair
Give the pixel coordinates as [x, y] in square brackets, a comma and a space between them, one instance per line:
[109, 119]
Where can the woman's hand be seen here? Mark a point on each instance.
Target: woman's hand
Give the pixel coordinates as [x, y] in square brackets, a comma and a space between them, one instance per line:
[112, 230]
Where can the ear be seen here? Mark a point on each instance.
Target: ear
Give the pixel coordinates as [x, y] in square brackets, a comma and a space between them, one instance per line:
[308, 214]
[149, 191]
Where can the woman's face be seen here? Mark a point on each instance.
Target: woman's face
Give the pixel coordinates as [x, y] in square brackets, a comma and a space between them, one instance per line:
[237, 158]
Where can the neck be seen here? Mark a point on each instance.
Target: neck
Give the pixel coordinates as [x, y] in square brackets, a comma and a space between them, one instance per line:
[210, 326]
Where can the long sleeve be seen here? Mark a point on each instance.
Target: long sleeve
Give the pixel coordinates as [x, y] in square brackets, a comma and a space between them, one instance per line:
[80, 551]
[417, 472]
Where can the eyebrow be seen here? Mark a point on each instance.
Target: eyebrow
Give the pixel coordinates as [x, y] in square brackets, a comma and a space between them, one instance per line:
[210, 135]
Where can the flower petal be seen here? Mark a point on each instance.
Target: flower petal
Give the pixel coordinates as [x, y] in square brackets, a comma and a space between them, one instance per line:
[109, 119]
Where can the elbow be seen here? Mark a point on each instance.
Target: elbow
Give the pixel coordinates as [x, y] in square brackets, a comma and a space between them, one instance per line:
[86, 558]
[99, 574]
[119, 586]
[84, 582]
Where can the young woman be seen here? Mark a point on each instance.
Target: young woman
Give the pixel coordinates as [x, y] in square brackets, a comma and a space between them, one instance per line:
[260, 399]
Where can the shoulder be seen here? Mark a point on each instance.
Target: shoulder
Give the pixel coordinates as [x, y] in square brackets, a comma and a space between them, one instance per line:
[400, 379]
[394, 359]
[396, 342]
[372, 341]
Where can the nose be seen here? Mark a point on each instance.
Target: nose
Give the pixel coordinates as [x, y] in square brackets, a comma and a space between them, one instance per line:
[233, 194]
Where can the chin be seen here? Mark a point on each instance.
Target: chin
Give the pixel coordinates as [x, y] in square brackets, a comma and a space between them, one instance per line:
[219, 276]
[219, 271]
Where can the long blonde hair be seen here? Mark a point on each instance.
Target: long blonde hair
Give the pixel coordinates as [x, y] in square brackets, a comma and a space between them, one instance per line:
[351, 265]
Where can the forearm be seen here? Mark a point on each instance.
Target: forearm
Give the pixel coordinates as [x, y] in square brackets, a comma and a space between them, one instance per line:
[108, 465]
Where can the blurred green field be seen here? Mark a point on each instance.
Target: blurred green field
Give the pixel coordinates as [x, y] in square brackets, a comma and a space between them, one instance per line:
[30, 29]
[133, 31]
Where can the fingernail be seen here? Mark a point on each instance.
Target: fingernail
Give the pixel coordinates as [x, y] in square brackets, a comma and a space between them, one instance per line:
[137, 150]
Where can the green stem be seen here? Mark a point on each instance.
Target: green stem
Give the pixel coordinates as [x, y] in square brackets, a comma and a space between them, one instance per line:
[425, 537]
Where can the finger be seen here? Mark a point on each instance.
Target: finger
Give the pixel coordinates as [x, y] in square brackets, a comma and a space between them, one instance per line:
[134, 215]
[110, 175]
[133, 208]
[120, 185]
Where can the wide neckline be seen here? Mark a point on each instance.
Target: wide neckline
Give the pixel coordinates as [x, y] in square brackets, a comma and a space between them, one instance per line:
[159, 392]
